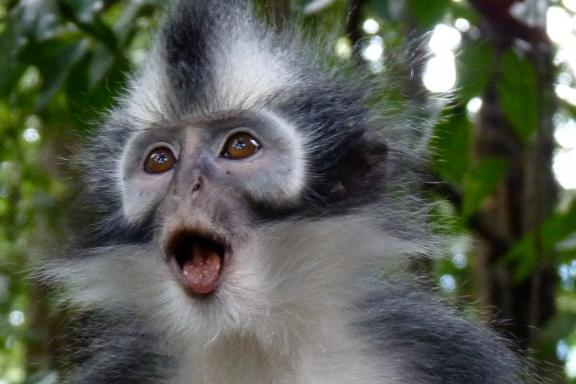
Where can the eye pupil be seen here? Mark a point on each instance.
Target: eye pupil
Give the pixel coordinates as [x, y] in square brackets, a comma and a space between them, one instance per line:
[240, 146]
[159, 160]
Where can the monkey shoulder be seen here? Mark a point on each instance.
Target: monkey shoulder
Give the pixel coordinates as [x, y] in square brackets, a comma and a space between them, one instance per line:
[430, 342]
[117, 352]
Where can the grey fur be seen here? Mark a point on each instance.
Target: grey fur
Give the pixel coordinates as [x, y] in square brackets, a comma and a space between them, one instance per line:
[300, 303]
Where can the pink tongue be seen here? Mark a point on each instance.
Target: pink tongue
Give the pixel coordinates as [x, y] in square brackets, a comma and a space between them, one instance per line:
[202, 271]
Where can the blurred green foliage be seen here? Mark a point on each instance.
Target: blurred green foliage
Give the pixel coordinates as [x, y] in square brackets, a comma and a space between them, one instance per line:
[63, 61]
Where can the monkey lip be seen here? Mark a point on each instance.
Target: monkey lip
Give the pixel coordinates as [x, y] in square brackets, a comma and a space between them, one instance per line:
[197, 260]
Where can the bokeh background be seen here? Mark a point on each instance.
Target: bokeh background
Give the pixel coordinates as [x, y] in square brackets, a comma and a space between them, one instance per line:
[496, 77]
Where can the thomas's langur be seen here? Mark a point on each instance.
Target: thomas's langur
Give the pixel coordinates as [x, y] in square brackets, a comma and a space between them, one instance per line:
[250, 202]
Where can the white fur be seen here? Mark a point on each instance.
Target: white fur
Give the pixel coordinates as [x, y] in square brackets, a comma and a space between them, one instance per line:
[248, 70]
[147, 96]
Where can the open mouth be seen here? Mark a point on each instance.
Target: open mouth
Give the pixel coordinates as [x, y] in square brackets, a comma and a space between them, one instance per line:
[197, 260]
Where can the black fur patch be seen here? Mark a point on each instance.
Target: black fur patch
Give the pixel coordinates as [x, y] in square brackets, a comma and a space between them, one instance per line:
[431, 343]
[118, 352]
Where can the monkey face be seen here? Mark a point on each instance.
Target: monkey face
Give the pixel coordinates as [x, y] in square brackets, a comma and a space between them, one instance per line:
[198, 182]
[198, 179]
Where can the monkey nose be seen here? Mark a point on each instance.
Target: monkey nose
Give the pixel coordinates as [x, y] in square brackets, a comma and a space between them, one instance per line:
[197, 184]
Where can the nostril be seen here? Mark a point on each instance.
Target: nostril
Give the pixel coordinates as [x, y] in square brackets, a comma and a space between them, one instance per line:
[197, 184]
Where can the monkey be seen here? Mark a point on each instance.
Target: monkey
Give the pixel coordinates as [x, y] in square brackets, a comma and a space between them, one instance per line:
[249, 200]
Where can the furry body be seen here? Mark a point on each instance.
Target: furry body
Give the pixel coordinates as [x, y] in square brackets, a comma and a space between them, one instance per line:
[397, 335]
[312, 221]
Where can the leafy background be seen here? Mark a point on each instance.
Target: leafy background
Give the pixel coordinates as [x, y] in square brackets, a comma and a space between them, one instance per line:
[502, 150]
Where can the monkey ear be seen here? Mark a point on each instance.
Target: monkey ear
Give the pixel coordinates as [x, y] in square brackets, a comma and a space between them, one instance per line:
[364, 169]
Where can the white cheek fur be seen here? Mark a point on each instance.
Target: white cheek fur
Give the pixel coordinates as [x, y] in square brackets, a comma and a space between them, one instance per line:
[286, 269]
[137, 203]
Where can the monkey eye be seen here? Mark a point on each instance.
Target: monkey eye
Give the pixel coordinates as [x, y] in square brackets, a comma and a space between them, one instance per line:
[240, 146]
[159, 160]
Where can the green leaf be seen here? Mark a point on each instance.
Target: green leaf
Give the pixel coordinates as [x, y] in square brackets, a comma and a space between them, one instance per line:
[102, 61]
[450, 147]
[480, 182]
[475, 65]
[558, 228]
[391, 10]
[518, 93]
[88, 22]
[39, 19]
[54, 59]
[522, 257]
[428, 13]
[463, 10]
[12, 69]
[83, 9]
